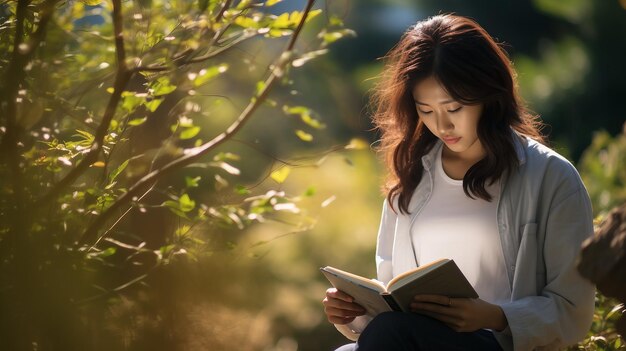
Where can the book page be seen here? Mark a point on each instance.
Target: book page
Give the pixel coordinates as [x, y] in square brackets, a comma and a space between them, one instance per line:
[357, 279]
[445, 279]
[413, 274]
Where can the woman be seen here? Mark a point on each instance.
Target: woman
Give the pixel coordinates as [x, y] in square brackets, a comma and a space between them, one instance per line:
[471, 181]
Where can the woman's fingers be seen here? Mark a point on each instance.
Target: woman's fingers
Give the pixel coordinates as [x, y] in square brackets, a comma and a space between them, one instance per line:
[341, 304]
[341, 312]
[338, 294]
[340, 308]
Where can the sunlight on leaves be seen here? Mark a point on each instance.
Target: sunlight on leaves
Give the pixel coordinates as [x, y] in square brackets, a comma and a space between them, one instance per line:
[137, 121]
[280, 174]
[189, 133]
[357, 144]
[304, 136]
[206, 75]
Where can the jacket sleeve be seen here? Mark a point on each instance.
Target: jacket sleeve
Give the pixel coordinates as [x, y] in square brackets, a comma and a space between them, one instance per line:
[562, 311]
[384, 248]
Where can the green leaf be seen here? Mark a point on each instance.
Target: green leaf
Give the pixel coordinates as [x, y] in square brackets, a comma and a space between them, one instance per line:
[305, 114]
[186, 203]
[247, 22]
[190, 132]
[241, 190]
[281, 174]
[335, 21]
[281, 21]
[304, 135]
[260, 86]
[132, 100]
[91, 2]
[313, 14]
[295, 110]
[137, 121]
[269, 3]
[153, 104]
[243, 4]
[223, 156]
[182, 230]
[206, 75]
[85, 135]
[331, 37]
[117, 171]
[310, 191]
[162, 86]
[312, 122]
[175, 208]
[192, 182]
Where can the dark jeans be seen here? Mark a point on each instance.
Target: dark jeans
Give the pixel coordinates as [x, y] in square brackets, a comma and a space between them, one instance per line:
[397, 331]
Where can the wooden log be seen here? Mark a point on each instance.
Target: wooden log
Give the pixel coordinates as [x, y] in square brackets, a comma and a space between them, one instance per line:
[603, 259]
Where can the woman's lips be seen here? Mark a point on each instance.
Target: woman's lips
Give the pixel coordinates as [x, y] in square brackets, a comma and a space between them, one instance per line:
[451, 140]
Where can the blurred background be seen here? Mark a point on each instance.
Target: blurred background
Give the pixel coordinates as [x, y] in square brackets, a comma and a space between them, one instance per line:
[259, 288]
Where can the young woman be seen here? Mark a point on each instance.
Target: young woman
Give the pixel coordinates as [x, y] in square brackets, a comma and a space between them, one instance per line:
[471, 181]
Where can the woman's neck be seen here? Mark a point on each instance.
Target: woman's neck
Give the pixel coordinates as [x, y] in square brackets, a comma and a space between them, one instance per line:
[456, 164]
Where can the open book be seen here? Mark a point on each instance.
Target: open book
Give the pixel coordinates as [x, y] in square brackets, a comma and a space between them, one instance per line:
[441, 277]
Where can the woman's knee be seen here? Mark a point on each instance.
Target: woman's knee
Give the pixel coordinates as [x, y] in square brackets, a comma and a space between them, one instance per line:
[387, 330]
[399, 331]
[398, 321]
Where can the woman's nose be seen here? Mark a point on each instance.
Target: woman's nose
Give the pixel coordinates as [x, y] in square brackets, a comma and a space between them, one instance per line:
[444, 124]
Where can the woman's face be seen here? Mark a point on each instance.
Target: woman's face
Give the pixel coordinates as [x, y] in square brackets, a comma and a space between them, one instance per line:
[449, 120]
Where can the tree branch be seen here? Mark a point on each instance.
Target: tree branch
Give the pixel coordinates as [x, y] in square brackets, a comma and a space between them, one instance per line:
[191, 155]
[186, 58]
[219, 16]
[122, 78]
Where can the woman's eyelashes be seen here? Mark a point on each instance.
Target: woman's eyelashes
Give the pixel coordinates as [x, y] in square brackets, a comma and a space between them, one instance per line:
[449, 111]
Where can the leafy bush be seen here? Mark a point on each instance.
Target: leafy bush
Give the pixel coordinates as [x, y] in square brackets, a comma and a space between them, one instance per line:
[123, 187]
[603, 171]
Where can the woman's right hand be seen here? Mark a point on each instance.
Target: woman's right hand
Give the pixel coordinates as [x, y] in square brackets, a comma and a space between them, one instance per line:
[340, 308]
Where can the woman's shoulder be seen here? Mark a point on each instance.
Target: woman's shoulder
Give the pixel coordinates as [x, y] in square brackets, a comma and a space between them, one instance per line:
[545, 163]
[537, 154]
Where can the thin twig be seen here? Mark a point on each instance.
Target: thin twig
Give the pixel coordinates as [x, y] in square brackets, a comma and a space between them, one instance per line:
[191, 155]
[186, 58]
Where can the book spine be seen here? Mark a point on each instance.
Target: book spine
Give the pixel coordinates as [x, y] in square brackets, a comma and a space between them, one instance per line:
[391, 302]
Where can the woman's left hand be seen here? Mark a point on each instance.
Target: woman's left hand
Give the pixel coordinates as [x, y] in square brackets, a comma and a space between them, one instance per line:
[461, 314]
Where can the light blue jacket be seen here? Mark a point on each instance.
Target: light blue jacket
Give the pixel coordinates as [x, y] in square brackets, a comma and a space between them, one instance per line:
[543, 215]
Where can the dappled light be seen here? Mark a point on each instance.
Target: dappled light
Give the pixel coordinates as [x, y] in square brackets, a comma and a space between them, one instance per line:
[174, 173]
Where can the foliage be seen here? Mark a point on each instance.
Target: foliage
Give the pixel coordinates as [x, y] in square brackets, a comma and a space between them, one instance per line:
[602, 335]
[120, 186]
[603, 172]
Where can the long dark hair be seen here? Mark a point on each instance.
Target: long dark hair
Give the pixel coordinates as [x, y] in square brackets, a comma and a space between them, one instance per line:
[473, 69]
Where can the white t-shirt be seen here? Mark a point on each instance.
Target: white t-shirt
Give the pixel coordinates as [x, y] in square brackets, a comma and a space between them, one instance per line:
[452, 225]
